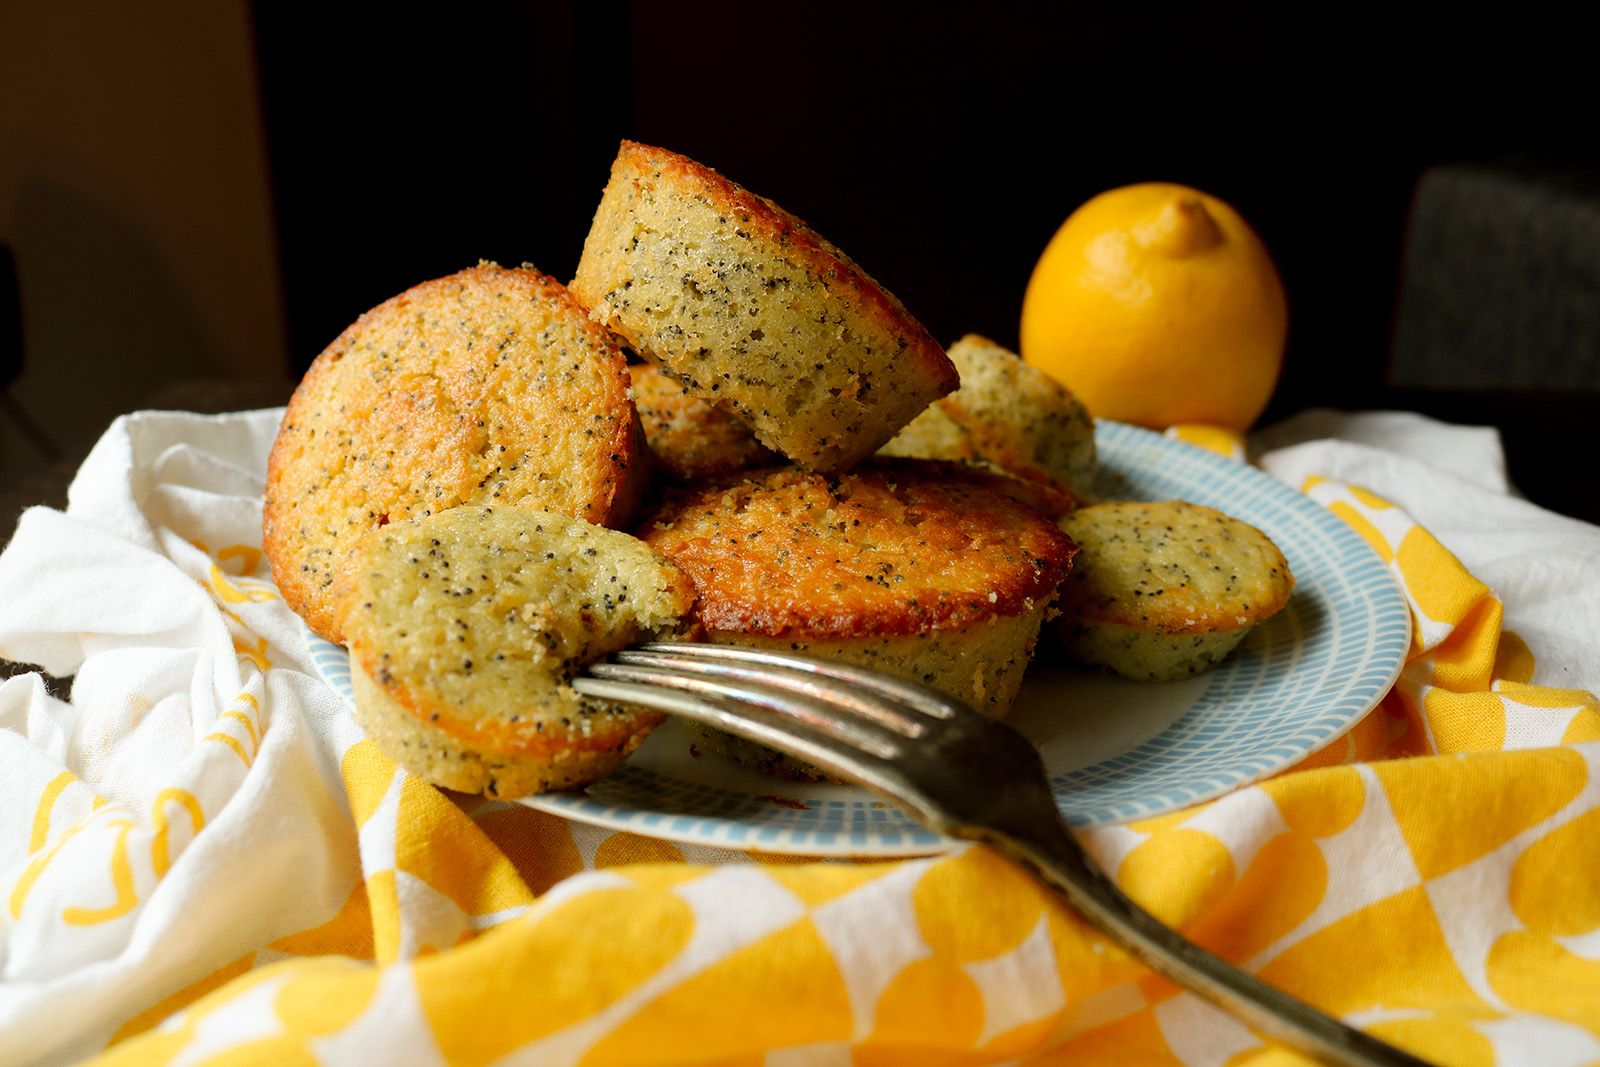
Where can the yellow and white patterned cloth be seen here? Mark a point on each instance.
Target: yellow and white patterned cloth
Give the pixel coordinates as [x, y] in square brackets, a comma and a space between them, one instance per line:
[203, 862]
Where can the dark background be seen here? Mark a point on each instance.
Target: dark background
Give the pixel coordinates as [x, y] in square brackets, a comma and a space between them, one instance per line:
[939, 144]
[201, 194]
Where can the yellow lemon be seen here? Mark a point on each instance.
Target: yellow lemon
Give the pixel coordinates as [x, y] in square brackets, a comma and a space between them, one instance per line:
[1157, 305]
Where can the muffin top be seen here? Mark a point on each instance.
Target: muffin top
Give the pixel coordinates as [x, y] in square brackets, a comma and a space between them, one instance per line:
[1172, 567]
[889, 548]
[490, 386]
[478, 618]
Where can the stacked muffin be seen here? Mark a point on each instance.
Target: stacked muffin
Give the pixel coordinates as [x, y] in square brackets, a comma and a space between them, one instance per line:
[748, 307]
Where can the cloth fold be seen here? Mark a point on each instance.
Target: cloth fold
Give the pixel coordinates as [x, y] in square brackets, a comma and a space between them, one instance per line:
[201, 857]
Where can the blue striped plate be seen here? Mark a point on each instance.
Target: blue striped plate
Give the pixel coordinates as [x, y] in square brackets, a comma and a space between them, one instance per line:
[1115, 750]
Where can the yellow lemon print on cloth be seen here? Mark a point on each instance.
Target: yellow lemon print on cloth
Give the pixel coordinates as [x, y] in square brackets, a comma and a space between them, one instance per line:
[1157, 305]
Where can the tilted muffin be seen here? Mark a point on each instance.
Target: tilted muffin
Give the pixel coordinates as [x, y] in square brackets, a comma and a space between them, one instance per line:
[748, 307]
[1010, 414]
[1162, 591]
[466, 628]
[490, 386]
[898, 566]
[691, 439]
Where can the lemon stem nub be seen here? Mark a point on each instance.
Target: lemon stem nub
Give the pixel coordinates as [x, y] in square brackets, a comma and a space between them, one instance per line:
[1180, 228]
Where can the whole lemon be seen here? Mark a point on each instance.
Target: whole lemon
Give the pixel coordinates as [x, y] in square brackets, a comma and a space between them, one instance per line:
[1157, 305]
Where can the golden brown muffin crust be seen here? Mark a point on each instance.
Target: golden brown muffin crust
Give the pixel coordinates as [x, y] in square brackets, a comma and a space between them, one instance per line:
[885, 549]
[488, 386]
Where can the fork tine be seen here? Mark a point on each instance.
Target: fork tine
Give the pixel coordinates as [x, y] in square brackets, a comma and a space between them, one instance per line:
[726, 704]
[880, 704]
[850, 748]
[904, 691]
[756, 723]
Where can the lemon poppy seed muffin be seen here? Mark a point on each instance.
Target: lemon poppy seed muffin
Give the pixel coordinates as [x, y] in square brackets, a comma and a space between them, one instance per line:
[1049, 498]
[1009, 414]
[691, 439]
[490, 386]
[466, 627]
[1165, 590]
[905, 567]
[748, 307]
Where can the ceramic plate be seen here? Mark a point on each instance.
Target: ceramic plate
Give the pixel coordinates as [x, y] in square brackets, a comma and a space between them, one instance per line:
[1115, 750]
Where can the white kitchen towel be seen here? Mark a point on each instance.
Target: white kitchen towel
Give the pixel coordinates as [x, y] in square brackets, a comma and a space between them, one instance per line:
[204, 809]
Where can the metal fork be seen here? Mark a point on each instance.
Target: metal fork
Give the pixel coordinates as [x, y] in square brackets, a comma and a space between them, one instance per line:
[963, 775]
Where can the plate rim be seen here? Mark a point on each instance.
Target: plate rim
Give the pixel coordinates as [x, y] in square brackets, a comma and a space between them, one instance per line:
[332, 664]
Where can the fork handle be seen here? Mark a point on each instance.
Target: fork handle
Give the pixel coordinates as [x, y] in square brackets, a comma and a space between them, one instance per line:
[1055, 855]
